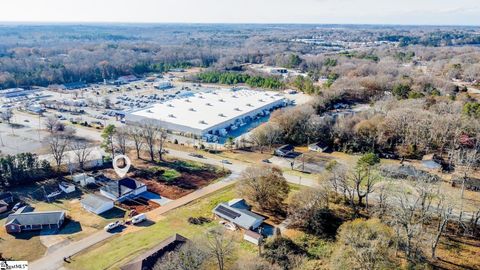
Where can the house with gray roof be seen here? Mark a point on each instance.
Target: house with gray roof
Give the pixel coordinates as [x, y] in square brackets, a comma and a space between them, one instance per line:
[237, 211]
[96, 204]
[123, 189]
[24, 220]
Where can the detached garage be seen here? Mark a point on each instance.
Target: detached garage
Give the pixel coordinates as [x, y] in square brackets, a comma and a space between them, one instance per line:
[96, 204]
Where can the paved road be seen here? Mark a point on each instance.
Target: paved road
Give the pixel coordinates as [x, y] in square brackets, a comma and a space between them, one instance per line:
[54, 260]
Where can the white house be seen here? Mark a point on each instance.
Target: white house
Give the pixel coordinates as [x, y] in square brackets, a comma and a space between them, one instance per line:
[96, 204]
[66, 187]
[83, 179]
[318, 147]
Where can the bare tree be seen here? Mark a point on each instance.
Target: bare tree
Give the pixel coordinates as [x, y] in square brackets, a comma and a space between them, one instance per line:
[220, 245]
[188, 257]
[162, 138]
[6, 115]
[120, 139]
[135, 133]
[82, 151]
[442, 214]
[266, 135]
[150, 134]
[58, 144]
[52, 124]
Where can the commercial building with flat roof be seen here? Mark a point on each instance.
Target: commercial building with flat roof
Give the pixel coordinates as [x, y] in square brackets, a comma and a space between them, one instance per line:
[214, 112]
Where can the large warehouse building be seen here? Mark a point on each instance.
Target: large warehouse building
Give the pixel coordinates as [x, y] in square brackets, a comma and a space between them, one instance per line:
[214, 112]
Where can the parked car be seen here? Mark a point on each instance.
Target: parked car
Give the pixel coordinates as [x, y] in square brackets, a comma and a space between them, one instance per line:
[266, 161]
[226, 161]
[228, 225]
[138, 218]
[113, 225]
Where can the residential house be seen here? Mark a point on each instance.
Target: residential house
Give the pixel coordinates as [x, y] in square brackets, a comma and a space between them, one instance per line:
[66, 187]
[285, 150]
[83, 179]
[123, 189]
[318, 147]
[96, 204]
[23, 220]
[147, 260]
[237, 211]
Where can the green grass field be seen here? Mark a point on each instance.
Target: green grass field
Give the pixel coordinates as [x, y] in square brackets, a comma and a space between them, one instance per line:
[121, 249]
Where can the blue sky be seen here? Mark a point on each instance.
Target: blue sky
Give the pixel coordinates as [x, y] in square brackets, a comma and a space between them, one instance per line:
[432, 12]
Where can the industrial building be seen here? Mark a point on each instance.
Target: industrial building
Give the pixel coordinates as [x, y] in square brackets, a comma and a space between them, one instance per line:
[209, 113]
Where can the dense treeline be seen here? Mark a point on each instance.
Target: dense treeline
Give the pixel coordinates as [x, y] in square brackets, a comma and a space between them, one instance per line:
[42, 55]
[24, 168]
[233, 78]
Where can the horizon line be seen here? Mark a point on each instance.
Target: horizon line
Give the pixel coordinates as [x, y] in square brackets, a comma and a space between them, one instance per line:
[223, 23]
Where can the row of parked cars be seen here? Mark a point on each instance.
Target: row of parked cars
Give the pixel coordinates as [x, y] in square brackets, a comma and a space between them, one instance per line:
[134, 220]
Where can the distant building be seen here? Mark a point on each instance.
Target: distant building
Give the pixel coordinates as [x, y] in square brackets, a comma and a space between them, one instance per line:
[73, 86]
[22, 220]
[237, 211]
[15, 92]
[126, 79]
[148, 259]
[164, 85]
[123, 189]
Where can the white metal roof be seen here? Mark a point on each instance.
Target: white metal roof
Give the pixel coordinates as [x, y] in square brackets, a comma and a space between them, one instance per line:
[207, 109]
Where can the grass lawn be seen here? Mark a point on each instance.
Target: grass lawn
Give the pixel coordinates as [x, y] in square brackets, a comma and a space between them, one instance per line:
[28, 245]
[25, 246]
[120, 249]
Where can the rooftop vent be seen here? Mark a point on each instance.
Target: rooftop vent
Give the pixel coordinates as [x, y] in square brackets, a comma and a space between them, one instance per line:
[191, 109]
[149, 111]
[171, 115]
[221, 115]
[208, 104]
[249, 105]
[261, 100]
[187, 100]
[237, 109]
[202, 122]
[170, 105]
[221, 100]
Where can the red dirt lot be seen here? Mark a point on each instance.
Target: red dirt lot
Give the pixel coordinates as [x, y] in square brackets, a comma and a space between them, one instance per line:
[181, 186]
[139, 205]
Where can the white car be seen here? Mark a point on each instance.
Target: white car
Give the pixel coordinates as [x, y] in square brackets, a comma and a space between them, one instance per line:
[113, 225]
[228, 225]
[225, 161]
[138, 218]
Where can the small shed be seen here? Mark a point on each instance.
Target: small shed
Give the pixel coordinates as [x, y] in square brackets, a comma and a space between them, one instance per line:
[66, 187]
[96, 204]
[253, 237]
[318, 147]
[83, 179]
